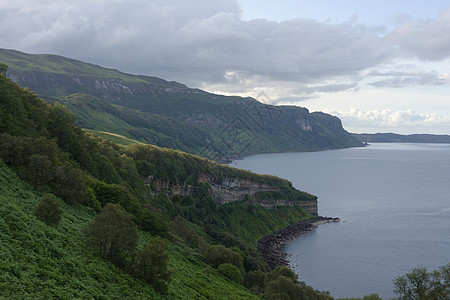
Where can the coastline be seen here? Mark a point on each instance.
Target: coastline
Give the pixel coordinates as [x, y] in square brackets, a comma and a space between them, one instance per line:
[271, 247]
[229, 160]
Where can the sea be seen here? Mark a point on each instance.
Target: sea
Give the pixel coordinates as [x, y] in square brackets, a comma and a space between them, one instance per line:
[393, 200]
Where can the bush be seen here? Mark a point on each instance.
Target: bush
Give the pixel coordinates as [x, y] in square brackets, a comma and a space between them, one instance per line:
[113, 234]
[219, 254]
[231, 272]
[48, 210]
[284, 288]
[151, 265]
[421, 284]
[254, 280]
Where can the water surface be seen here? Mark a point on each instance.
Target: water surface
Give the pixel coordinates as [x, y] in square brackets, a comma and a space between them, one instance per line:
[394, 200]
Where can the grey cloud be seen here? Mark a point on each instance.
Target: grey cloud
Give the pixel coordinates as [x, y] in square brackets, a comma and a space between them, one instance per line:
[208, 38]
[207, 43]
[427, 39]
[403, 79]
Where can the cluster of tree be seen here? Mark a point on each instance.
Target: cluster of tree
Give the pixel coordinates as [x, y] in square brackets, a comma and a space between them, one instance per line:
[421, 284]
[114, 236]
[56, 157]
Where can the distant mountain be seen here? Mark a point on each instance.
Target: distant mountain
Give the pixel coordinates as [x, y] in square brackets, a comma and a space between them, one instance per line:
[170, 114]
[398, 138]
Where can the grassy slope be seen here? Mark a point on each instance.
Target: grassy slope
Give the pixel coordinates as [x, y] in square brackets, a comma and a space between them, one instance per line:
[41, 262]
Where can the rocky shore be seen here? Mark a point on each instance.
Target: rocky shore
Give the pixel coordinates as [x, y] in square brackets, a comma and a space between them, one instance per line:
[271, 246]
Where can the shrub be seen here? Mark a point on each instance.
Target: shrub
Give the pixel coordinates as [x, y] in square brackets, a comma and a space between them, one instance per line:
[48, 210]
[113, 234]
[231, 272]
[151, 265]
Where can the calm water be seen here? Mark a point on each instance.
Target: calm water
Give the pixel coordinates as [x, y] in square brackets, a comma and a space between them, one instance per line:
[394, 200]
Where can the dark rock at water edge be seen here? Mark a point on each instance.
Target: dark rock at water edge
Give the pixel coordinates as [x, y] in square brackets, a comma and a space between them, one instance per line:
[272, 246]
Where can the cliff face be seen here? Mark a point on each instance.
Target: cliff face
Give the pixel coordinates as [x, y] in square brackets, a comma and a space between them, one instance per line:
[235, 125]
[231, 189]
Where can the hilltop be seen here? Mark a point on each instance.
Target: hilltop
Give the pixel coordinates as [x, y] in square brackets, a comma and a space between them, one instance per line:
[169, 114]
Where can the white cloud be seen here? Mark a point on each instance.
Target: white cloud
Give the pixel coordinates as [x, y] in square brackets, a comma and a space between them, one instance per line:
[427, 39]
[389, 117]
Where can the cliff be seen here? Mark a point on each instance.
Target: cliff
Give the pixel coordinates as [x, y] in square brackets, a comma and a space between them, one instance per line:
[225, 126]
[230, 189]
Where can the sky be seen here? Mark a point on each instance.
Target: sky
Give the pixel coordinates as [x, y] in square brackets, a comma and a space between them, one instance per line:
[381, 66]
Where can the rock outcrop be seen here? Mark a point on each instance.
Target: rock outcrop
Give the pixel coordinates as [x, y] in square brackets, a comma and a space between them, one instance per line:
[230, 189]
[272, 246]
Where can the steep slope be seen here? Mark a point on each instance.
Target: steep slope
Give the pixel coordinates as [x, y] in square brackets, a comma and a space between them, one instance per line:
[236, 125]
[190, 203]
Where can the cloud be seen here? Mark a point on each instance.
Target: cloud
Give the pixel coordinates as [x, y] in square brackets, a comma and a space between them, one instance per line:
[427, 39]
[195, 39]
[391, 118]
[208, 44]
[410, 78]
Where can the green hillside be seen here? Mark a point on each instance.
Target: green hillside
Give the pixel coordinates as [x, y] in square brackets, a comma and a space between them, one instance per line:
[210, 125]
[43, 262]
[199, 249]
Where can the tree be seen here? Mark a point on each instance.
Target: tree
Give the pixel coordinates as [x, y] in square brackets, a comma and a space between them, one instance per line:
[3, 68]
[48, 210]
[231, 272]
[40, 171]
[153, 222]
[281, 271]
[219, 254]
[284, 288]
[418, 283]
[113, 234]
[254, 280]
[70, 184]
[151, 265]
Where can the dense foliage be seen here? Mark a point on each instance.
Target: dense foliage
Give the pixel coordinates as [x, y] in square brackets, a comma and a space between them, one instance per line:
[421, 284]
[48, 210]
[96, 177]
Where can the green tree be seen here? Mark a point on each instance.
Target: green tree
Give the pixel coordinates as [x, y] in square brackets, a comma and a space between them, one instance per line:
[284, 288]
[40, 171]
[48, 210]
[70, 184]
[281, 271]
[3, 68]
[418, 283]
[113, 234]
[153, 222]
[254, 280]
[151, 265]
[231, 272]
[219, 254]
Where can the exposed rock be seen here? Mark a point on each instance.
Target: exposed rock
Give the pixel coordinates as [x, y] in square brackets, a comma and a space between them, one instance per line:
[230, 189]
[272, 246]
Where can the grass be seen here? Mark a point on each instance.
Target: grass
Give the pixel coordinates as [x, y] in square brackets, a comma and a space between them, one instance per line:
[115, 138]
[43, 262]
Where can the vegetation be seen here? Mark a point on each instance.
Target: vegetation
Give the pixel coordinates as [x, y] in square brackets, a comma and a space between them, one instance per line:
[143, 241]
[399, 138]
[108, 205]
[421, 284]
[169, 114]
[48, 210]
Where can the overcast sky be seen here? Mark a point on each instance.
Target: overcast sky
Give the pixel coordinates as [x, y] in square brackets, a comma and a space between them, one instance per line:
[381, 66]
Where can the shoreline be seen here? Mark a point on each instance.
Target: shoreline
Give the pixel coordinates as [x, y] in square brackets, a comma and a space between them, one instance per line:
[229, 160]
[271, 247]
